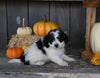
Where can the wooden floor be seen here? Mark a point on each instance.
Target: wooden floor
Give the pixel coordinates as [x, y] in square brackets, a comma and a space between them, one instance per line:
[78, 66]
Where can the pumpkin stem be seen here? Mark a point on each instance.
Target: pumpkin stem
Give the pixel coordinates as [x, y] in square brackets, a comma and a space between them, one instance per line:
[45, 18]
[23, 22]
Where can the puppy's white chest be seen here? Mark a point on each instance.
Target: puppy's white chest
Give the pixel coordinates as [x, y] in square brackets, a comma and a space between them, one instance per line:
[55, 51]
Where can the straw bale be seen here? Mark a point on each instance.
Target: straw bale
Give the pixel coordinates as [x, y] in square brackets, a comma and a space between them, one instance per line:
[20, 41]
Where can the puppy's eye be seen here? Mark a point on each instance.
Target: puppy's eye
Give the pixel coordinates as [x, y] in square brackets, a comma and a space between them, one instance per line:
[58, 37]
[52, 37]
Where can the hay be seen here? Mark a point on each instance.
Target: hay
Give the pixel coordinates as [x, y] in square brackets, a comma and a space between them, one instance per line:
[20, 41]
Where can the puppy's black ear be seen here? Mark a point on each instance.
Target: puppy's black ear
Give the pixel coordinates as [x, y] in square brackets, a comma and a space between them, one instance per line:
[64, 36]
[46, 41]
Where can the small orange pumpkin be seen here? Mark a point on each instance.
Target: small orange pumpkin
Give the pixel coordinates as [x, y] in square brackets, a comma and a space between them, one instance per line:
[24, 48]
[42, 28]
[14, 52]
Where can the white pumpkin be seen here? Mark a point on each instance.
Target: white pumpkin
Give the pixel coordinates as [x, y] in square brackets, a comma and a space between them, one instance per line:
[95, 38]
[23, 31]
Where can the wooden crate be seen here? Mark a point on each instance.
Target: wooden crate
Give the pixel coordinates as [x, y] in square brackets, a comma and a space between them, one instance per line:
[91, 6]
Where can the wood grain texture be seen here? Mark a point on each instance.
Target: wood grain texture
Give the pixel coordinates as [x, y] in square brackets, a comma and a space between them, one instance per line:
[37, 10]
[3, 25]
[91, 3]
[16, 10]
[59, 13]
[90, 21]
[70, 16]
[77, 25]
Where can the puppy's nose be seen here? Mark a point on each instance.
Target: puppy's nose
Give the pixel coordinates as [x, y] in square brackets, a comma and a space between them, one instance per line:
[56, 45]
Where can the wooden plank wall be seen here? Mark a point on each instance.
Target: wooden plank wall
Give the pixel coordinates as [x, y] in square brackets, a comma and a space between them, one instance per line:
[77, 25]
[98, 15]
[3, 24]
[59, 13]
[37, 10]
[16, 10]
[70, 16]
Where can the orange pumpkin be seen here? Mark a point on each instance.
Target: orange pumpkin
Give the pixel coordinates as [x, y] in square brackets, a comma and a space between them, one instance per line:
[42, 28]
[14, 52]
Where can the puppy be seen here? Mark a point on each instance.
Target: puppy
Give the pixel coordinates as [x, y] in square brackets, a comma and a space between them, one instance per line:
[51, 48]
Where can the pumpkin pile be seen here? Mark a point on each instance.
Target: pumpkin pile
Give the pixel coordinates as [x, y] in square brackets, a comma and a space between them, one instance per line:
[20, 42]
[24, 38]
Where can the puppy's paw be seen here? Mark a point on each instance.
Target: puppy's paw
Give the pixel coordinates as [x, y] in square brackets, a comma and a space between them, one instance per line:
[63, 64]
[40, 63]
[71, 59]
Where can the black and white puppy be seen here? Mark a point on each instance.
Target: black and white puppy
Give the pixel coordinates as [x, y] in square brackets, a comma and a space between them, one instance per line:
[51, 48]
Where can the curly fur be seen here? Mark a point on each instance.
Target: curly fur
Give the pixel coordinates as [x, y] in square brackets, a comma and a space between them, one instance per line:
[51, 48]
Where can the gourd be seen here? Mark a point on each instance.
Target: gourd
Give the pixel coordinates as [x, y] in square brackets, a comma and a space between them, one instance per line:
[42, 28]
[14, 52]
[95, 38]
[23, 31]
[96, 59]
[87, 55]
[24, 47]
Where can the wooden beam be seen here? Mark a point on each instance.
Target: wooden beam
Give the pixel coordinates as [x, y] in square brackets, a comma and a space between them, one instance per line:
[90, 21]
[91, 3]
